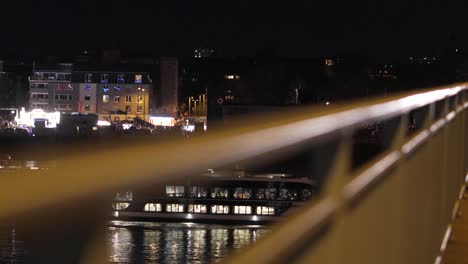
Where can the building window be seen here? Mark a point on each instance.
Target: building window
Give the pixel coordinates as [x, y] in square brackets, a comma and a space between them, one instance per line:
[128, 109]
[105, 98]
[197, 208]
[140, 109]
[39, 86]
[87, 108]
[241, 209]
[104, 78]
[231, 77]
[198, 191]
[117, 88]
[153, 207]
[175, 191]
[105, 88]
[87, 87]
[40, 96]
[116, 99]
[63, 97]
[63, 107]
[306, 194]
[121, 78]
[174, 208]
[242, 193]
[120, 206]
[139, 99]
[219, 192]
[128, 98]
[220, 209]
[88, 77]
[87, 98]
[265, 210]
[40, 106]
[138, 78]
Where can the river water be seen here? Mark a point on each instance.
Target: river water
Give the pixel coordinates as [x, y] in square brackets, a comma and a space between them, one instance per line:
[144, 242]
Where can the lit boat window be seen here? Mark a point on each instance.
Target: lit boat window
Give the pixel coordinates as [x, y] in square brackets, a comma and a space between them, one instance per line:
[120, 206]
[175, 208]
[124, 196]
[265, 210]
[197, 208]
[219, 192]
[241, 209]
[242, 193]
[220, 209]
[175, 191]
[198, 192]
[153, 207]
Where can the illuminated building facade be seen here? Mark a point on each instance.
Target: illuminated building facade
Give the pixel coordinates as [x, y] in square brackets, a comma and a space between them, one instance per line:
[51, 89]
[114, 96]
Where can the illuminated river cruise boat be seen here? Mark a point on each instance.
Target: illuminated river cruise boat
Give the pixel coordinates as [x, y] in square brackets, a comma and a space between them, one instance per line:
[219, 197]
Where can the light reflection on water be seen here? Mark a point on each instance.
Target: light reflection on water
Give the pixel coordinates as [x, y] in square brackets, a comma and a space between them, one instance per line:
[137, 242]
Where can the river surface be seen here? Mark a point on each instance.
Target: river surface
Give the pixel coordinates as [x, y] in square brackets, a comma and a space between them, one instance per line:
[143, 242]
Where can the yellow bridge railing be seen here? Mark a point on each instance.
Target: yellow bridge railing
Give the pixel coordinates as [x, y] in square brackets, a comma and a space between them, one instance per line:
[394, 208]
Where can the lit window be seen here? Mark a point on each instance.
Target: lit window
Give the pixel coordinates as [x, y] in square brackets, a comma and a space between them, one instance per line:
[117, 88]
[87, 108]
[128, 109]
[153, 207]
[329, 62]
[242, 193]
[229, 77]
[269, 194]
[39, 96]
[175, 191]
[120, 206]
[105, 98]
[174, 208]
[220, 209]
[139, 99]
[105, 88]
[87, 98]
[140, 109]
[124, 196]
[104, 78]
[138, 78]
[116, 99]
[241, 209]
[87, 87]
[265, 210]
[88, 77]
[197, 208]
[218, 192]
[121, 78]
[285, 194]
[199, 192]
[128, 98]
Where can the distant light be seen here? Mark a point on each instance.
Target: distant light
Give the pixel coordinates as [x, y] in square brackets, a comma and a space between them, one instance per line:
[456, 50]
[189, 216]
[327, 103]
[94, 128]
[254, 218]
[425, 58]
[33, 168]
[12, 112]
[411, 58]
[126, 126]
[115, 214]
[103, 123]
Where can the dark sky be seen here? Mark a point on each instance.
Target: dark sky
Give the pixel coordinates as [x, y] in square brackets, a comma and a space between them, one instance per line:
[292, 28]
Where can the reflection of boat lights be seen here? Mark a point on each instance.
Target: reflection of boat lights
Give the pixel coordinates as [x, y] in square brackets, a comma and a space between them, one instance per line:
[254, 218]
[189, 216]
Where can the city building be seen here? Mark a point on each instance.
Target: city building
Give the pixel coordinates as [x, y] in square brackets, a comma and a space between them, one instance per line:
[111, 94]
[114, 95]
[51, 89]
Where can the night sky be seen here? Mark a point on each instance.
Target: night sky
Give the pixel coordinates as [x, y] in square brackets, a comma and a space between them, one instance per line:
[383, 29]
